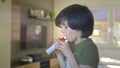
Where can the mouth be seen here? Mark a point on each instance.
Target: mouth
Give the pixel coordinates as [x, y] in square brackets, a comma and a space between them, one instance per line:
[65, 37]
[66, 40]
[62, 38]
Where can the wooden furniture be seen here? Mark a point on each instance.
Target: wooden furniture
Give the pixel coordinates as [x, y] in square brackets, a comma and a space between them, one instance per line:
[32, 65]
[53, 64]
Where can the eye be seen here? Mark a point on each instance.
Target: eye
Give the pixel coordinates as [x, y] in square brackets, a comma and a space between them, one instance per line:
[66, 26]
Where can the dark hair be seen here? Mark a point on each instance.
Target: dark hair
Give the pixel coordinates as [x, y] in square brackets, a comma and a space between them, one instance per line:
[78, 17]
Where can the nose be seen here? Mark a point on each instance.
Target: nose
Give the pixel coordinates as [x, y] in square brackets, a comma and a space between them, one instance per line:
[62, 30]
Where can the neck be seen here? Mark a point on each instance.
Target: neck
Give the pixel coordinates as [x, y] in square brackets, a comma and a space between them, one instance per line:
[79, 40]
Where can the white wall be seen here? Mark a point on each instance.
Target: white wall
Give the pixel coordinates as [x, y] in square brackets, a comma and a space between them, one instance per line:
[5, 20]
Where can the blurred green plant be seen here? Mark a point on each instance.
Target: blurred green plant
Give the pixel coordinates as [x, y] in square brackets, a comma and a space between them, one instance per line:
[52, 14]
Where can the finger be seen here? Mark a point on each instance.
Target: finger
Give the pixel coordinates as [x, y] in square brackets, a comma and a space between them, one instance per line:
[57, 51]
[59, 47]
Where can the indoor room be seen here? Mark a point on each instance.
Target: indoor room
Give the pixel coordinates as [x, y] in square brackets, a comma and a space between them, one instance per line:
[28, 29]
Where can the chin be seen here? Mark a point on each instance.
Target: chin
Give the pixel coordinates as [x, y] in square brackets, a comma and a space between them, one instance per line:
[70, 40]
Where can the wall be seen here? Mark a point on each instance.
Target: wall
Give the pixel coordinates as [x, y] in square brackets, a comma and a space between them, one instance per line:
[23, 6]
[5, 22]
[91, 4]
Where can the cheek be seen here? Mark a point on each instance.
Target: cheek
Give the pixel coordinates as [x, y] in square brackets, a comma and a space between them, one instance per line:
[70, 35]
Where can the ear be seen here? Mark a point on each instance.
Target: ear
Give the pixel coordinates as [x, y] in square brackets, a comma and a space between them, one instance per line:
[80, 32]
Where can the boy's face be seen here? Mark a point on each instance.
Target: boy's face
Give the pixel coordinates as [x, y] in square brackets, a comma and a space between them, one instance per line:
[70, 34]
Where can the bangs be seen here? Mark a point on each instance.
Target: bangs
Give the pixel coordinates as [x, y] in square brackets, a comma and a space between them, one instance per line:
[60, 20]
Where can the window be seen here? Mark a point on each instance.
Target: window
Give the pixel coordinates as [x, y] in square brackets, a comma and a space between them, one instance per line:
[116, 27]
[100, 32]
[106, 27]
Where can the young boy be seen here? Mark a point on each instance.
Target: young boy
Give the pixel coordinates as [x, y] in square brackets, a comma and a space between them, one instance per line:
[76, 23]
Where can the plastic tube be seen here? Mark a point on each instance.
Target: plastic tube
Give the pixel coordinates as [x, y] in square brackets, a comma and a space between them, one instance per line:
[52, 47]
